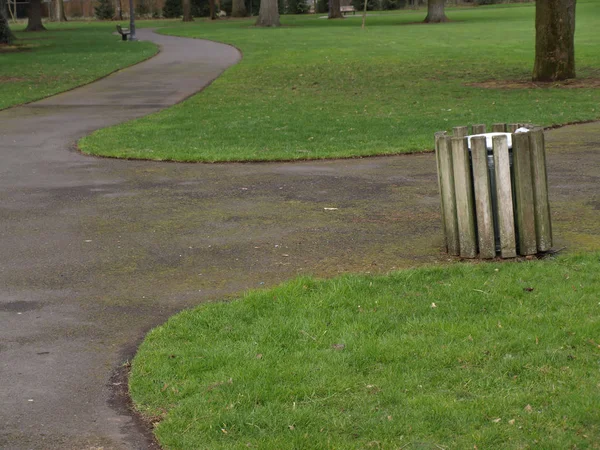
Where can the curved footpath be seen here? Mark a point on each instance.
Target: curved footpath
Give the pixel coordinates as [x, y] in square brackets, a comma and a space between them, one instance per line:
[94, 252]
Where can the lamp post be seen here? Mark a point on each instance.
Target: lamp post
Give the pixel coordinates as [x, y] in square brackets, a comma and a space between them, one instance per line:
[131, 22]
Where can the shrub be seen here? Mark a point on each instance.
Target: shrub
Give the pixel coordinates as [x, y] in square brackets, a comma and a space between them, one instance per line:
[201, 8]
[172, 9]
[104, 10]
[372, 5]
[296, 7]
[142, 8]
[322, 6]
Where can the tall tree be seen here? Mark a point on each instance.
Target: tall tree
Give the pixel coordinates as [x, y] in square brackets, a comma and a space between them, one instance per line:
[118, 7]
[34, 14]
[435, 11]
[268, 14]
[334, 10]
[238, 8]
[60, 11]
[211, 8]
[6, 36]
[187, 11]
[554, 40]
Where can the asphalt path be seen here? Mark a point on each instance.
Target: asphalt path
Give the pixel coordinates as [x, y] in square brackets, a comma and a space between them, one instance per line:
[94, 252]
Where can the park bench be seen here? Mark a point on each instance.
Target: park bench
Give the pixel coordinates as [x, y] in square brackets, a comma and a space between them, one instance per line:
[124, 32]
[347, 9]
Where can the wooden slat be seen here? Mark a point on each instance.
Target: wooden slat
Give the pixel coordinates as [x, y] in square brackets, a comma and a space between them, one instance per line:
[499, 128]
[524, 199]
[543, 222]
[460, 131]
[437, 137]
[446, 172]
[464, 198]
[479, 128]
[505, 213]
[512, 127]
[483, 199]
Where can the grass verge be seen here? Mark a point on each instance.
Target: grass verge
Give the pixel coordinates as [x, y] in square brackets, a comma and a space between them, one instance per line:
[42, 64]
[326, 89]
[487, 355]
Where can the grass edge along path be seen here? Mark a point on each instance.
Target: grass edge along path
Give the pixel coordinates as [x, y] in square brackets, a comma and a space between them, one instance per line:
[315, 89]
[493, 355]
[65, 57]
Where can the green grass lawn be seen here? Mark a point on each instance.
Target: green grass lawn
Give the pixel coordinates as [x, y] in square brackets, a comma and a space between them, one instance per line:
[64, 57]
[319, 89]
[487, 355]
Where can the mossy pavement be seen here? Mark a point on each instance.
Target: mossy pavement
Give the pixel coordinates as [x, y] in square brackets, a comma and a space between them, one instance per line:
[98, 251]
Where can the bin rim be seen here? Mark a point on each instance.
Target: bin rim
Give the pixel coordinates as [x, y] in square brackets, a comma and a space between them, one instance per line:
[489, 138]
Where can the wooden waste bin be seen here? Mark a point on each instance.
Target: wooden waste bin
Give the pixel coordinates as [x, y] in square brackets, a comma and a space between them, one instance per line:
[494, 191]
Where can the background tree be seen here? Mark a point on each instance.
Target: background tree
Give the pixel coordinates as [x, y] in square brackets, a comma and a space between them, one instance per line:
[6, 36]
[34, 14]
[212, 13]
[172, 9]
[334, 10]
[268, 15]
[187, 11]
[297, 6]
[554, 40]
[435, 11]
[143, 8]
[59, 11]
[104, 10]
[238, 9]
[118, 7]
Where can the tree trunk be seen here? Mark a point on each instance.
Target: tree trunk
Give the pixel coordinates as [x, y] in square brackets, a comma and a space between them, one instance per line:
[118, 10]
[238, 8]
[268, 15]
[6, 36]
[60, 11]
[364, 17]
[211, 7]
[35, 16]
[334, 10]
[435, 11]
[554, 40]
[187, 11]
